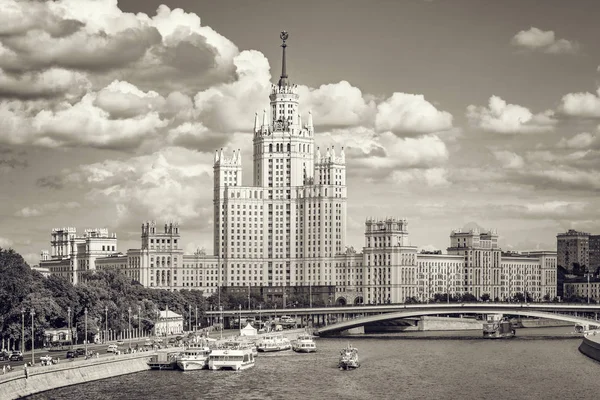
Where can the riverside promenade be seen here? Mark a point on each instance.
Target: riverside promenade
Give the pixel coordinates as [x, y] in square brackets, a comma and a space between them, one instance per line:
[16, 384]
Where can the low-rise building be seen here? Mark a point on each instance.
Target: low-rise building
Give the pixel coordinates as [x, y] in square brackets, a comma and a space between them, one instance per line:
[168, 322]
[581, 287]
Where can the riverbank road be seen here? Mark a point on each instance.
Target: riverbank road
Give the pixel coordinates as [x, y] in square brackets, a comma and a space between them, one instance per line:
[61, 354]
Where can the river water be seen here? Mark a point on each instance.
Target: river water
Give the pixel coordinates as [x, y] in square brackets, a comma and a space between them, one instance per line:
[542, 363]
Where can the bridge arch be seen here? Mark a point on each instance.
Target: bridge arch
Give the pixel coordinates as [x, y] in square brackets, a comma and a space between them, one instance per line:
[354, 323]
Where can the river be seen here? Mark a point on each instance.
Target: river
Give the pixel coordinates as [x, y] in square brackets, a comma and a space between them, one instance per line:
[542, 363]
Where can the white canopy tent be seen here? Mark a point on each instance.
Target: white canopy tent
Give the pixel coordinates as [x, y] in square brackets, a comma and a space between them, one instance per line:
[248, 331]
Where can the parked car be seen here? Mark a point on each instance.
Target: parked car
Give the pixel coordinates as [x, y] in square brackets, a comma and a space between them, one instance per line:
[4, 355]
[72, 354]
[120, 342]
[46, 360]
[112, 348]
[80, 351]
[148, 343]
[16, 356]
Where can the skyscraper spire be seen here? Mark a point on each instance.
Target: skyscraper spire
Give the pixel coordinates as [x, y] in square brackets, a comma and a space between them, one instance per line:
[283, 80]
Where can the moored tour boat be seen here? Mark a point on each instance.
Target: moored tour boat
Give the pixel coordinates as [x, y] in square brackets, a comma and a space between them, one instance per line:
[349, 358]
[274, 342]
[194, 357]
[497, 327]
[304, 344]
[233, 355]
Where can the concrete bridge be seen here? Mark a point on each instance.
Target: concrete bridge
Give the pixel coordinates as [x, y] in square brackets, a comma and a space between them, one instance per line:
[561, 312]
[347, 317]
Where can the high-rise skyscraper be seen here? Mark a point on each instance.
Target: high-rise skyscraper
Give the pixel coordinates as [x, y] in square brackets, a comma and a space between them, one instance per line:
[286, 228]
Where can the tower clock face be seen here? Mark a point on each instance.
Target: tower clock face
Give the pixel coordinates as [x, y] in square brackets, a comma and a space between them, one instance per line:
[284, 36]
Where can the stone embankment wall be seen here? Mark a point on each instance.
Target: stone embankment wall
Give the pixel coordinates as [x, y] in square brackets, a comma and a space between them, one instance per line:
[449, 324]
[539, 323]
[590, 346]
[15, 385]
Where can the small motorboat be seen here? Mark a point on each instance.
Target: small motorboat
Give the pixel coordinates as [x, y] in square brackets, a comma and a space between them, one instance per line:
[349, 358]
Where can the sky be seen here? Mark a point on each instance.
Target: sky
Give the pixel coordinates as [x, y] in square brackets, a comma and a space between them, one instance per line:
[452, 113]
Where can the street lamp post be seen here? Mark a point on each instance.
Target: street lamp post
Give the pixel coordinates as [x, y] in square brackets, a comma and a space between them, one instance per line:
[69, 325]
[221, 321]
[106, 323]
[85, 339]
[190, 317]
[32, 313]
[196, 326]
[22, 330]
[448, 290]
[139, 315]
[240, 317]
[129, 332]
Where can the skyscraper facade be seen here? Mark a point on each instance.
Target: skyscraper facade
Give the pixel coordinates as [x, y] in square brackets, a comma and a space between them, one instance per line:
[287, 227]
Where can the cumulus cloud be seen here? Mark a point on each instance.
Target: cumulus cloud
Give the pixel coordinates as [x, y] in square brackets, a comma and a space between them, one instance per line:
[336, 104]
[48, 83]
[376, 156]
[544, 41]
[44, 209]
[96, 36]
[231, 106]
[583, 140]
[501, 117]
[410, 113]
[159, 185]
[586, 105]
[82, 123]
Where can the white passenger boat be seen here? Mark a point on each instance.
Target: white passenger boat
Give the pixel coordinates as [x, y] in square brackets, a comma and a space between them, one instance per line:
[304, 344]
[349, 358]
[194, 357]
[233, 355]
[274, 342]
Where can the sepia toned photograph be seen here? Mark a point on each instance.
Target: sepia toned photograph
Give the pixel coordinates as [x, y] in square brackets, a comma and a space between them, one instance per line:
[284, 199]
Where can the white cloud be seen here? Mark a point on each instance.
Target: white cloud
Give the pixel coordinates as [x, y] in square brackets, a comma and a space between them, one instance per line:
[509, 159]
[410, 113]
[73, 125]
[96, 36]
[583, 140]
[432, 177]
[47, 83]
[231, 106]
[5, 243]
[365, 148]
[502, 117]
[581, 104]
[43, 209]
[555, 208]
[544, 41]
[336, 104]
[167, 184]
